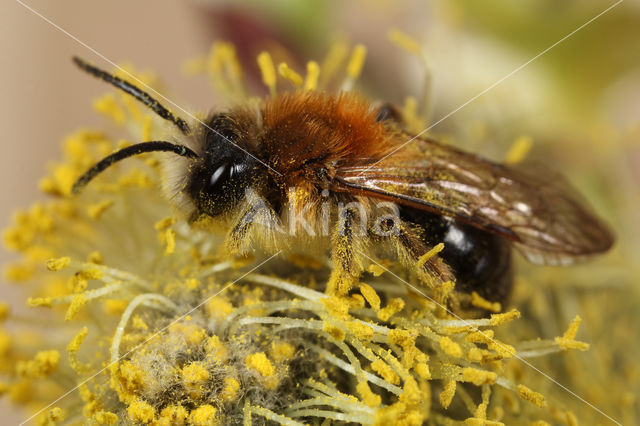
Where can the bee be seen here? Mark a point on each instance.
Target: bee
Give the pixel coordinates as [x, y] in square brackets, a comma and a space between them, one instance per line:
[299, 159]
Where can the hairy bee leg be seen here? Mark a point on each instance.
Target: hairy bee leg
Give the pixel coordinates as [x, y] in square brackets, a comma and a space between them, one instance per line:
[345, 254]
[258, 225]
[433, 271]
[387, 111]
[237, 240]
[410, 248]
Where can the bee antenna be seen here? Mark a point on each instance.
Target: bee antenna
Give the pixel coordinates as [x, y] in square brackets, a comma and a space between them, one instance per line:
[127, 152]
[134, 91]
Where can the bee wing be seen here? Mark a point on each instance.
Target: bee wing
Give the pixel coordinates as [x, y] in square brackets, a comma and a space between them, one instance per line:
[539, 211]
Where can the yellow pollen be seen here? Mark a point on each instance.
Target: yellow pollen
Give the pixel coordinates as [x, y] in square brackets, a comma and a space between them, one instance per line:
[422, 369]
[55, 415]
[268, 72]
[368, 396]
[375, 270]
[170, 238]
[502, 349]
[42, 365]
[282, 351]
[573, 328]
[219, 308]
[18, 272]
[205, 415]
[474, 355]
[173, 415]
[194, 377]
[567, 341]
[230, 389]
[74, 346]
[404, 41]
[370, 295]
[335, 332]
[39, 301]
[260, 363]
[384, 370]
[356, 61]
[447, 394]
[77, 303]
[58, 264]
[480, 302]
[192, 283]
[531, 396]
[450, 347]
[313, 71]
[105, 418]
[428, 255]
[338, 52]
[215, 348]
[479, 377]
[499, 319]
[289, 74]
[141, 411]
[519, 150]
[95, 257]
[360, 330]
[395, 305]
[415, 122]
[164, 224]
[114, 306]
[108, 106]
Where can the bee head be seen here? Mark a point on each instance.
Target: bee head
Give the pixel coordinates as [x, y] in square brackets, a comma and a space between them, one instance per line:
[218, 171]
[218, 178]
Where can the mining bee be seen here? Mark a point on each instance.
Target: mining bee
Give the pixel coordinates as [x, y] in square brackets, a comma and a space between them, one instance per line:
[309, 169]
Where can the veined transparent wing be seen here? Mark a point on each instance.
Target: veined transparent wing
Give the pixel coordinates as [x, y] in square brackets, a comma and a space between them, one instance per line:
[538, 210]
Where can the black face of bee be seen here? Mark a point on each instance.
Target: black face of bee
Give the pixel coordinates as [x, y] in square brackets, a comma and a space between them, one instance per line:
[220, 176]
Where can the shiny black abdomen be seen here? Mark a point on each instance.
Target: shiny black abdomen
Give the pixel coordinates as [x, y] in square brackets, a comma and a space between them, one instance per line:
[481, 260]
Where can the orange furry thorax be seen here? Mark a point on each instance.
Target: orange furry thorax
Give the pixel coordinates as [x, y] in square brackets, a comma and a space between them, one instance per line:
[303, 131]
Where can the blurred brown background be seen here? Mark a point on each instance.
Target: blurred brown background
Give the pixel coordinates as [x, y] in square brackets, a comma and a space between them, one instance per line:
[580, 93]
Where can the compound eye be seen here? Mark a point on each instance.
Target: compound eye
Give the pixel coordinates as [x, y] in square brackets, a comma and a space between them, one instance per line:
[219, 177]
[219, 187]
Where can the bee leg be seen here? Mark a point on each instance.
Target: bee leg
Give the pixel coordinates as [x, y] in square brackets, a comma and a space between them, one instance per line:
[345, 254]
[432, 271]
[388, 111]
[239, 239]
